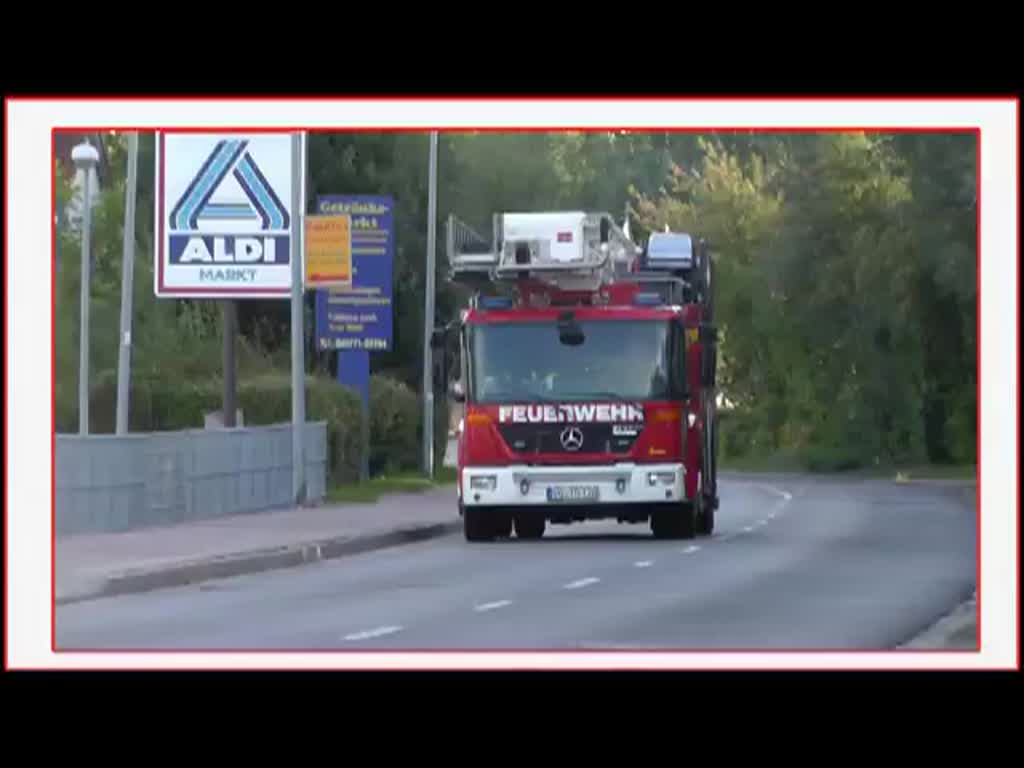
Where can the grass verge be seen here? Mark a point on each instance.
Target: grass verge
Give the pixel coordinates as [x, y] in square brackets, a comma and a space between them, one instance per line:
[373, 489]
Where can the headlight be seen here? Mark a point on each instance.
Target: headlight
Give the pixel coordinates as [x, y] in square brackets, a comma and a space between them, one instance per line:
[665, 478]
[483, 482]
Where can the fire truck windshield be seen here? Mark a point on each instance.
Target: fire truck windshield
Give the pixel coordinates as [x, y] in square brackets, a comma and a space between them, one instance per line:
[617, 360]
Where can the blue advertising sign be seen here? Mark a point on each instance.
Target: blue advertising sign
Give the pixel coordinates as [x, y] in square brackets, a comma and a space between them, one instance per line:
[358, 320]
[360, 317]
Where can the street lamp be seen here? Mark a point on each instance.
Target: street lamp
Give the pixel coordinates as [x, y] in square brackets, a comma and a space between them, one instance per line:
[85, 157]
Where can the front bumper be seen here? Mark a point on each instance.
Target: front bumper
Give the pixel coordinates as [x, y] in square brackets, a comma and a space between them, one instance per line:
[531, 486]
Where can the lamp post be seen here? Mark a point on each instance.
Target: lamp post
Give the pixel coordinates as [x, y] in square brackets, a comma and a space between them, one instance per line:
[85, 157]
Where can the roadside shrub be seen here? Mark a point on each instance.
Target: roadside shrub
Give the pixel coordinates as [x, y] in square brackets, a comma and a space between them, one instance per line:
[170, 403]
[394, 425]
[831, 458]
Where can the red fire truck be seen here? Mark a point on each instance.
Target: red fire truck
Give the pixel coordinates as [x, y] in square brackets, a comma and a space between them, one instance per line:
[586, 365]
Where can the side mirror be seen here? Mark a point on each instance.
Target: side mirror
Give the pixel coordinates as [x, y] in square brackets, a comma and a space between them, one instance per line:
[456, 392]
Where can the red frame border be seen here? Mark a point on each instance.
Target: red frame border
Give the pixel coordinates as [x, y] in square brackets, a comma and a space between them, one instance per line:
[534, 129]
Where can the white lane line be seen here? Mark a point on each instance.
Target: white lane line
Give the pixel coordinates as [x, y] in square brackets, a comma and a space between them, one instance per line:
[370, 633]
[491, 606]
[786, 495]
[643, 563]
[748, 529]
[691, 549]
[582, 582]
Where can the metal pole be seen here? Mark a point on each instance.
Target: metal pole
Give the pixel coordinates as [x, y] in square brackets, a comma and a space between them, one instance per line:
[298, 320]
[428, 315]
[124, 361]
[86, 281]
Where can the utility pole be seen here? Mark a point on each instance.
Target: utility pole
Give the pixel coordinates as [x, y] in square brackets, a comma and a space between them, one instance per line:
[428, 315]
[124, 362]
[85, 157]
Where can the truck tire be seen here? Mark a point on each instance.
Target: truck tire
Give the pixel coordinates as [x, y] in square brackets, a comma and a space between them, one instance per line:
[706, 491]
[502, 526]
[706, 518]
[707, 485]
[477, 526]
[530, 526]
[675, 524]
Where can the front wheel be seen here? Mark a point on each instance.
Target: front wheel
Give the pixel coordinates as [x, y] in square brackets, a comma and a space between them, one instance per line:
[530, 526]
[675, 523]
[706, 518]
[705, 509]
[477, 526]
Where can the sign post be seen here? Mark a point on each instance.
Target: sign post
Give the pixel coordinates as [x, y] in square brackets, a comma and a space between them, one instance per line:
[298, 326]
[357, 319]
[428, 315]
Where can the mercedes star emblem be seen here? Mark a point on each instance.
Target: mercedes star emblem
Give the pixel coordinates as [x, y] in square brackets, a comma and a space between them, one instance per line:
[572, 438]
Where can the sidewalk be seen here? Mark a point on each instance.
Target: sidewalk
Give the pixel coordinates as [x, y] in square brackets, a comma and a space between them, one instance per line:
[96, 565]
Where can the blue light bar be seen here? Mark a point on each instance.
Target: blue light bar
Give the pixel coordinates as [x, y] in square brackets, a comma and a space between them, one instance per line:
[495, 302]
[647, 299]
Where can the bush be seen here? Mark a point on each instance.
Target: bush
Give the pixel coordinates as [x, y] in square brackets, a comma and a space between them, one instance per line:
[831, 458]
[743, 434]
[168, 403]
[394, 426]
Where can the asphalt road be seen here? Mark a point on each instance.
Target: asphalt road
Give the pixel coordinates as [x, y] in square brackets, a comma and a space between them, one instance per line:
[796, 563]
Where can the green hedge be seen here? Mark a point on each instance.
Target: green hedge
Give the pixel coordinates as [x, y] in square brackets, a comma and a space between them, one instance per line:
[170, 404]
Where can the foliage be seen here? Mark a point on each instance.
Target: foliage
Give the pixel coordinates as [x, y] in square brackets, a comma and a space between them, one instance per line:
[846, 292]
[845, 278]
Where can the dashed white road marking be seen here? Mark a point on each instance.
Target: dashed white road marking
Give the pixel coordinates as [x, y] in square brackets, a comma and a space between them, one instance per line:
[748, 529]
[582, 582]
[370, 633]
[643, 563]
[691, 549]
[491, 606]
[777, 491]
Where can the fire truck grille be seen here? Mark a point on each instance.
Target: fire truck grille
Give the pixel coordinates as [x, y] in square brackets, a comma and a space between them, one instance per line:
[548, 438]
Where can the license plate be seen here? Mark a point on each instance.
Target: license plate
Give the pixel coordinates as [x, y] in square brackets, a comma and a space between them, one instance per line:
[570, 493]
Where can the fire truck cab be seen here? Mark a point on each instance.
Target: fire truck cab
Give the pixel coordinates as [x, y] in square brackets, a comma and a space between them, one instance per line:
[586, 365]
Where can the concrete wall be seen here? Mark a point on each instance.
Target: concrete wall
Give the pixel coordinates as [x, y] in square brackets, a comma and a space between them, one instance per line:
[107, 483]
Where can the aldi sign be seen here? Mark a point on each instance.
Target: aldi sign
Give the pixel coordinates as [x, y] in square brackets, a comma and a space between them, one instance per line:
[223, 215]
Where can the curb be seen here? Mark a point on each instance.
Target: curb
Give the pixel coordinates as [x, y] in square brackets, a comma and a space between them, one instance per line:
[228, 566]
[956, 631]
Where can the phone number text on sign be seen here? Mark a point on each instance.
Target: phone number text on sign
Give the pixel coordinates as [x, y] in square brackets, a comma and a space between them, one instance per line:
[376, 345]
